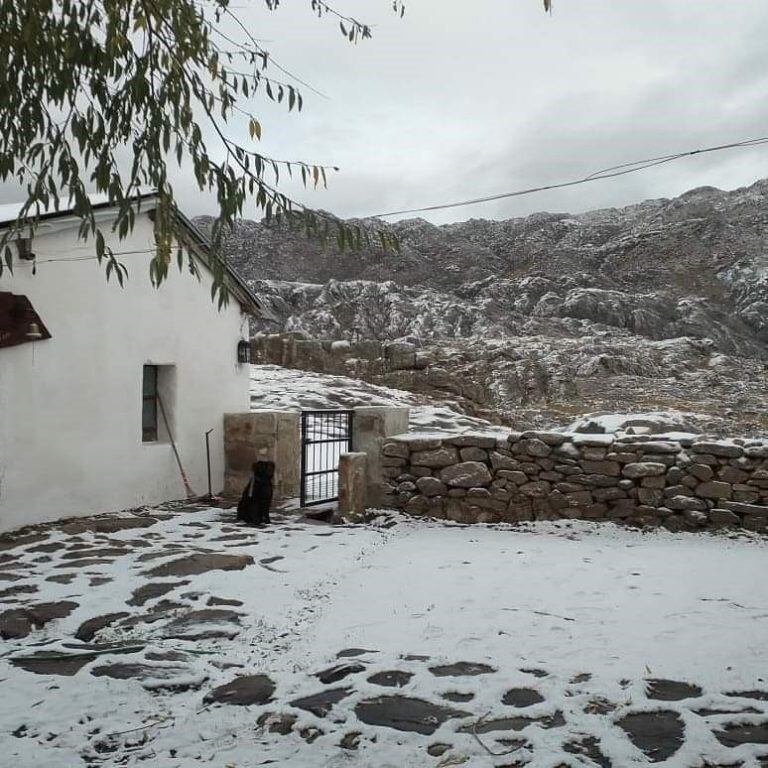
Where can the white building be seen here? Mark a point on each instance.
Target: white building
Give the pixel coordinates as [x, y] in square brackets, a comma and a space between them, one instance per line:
[81, 431]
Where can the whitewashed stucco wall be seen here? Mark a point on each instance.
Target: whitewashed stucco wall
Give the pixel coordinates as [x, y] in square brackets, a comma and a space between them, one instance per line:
[70, 406]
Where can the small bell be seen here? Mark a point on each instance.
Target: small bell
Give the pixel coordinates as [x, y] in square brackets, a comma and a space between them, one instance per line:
[33, 332]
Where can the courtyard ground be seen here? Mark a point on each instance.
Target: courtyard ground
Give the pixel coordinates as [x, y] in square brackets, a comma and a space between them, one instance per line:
[176, 637]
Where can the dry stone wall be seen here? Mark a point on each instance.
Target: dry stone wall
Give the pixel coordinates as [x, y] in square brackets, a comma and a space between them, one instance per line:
[681, 484]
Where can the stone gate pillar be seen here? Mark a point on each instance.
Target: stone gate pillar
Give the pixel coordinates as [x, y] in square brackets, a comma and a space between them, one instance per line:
[370, 426]
[262, 436]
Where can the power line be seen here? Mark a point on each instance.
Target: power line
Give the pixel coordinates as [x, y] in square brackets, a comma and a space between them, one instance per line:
[605, 173]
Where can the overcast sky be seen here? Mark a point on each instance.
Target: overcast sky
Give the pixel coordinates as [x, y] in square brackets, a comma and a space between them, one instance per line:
[462, 98]
[465, 98]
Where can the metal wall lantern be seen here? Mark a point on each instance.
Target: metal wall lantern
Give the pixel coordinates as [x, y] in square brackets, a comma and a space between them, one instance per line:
[244, 351]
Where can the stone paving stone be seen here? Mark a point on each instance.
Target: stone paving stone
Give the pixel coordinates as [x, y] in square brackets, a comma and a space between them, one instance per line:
[243, 691]
[393, 678]
[736, 734]
[522, 697]
[461, 669]
[671, 690]
[195, 564]
[88, 629]
[152, 590]
[405, 714]
[657, 734]
[339, 672]
[16, 623]
[320, 704]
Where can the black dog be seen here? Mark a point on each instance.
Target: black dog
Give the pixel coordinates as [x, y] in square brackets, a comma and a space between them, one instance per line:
[257, 495]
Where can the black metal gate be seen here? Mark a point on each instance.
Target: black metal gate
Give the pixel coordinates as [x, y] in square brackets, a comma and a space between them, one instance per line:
[325, 435]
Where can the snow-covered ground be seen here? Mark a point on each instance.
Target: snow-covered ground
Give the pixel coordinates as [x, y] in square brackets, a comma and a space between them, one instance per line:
[580, 617]
[274, 387]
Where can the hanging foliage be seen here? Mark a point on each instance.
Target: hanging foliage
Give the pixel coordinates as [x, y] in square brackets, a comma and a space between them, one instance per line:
[88, 82]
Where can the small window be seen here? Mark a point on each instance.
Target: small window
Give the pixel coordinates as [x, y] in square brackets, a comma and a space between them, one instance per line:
[149, 404]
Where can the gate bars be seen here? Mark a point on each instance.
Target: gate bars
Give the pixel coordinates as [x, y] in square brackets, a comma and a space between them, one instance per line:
[325, 435]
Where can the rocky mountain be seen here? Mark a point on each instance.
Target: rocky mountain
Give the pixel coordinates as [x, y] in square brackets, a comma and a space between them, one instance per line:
[659, 304]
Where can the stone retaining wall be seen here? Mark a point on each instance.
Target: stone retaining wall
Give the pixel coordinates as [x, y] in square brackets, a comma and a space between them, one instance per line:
[685, 484]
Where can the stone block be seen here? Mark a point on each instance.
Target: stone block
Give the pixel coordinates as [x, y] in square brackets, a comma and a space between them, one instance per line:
[422, 442]
[745, 509]
[500, 461]
[532, 447]
[514, 476]
[726, 450]
[431, 486]
[579, 498]
[436, 458]
[733, 475]
[656, 447]
[683, 503]
[467, 474]
[714, 490]
[757, 523]
[702, 472]
[674, 475]
[657, 482]
[472, 439]
[396, 449]
[706, 458]
[623, 457]
[421, 471]
[536, 489]
[393, 461]
[602, 481]
[652, 497]
[722, 518]
[471, 453]
[418, 506]
[610, 468]
[550, 438]
[644, 469]
[594, 511]
[608, 494]
[566, 451]
[593, 454]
